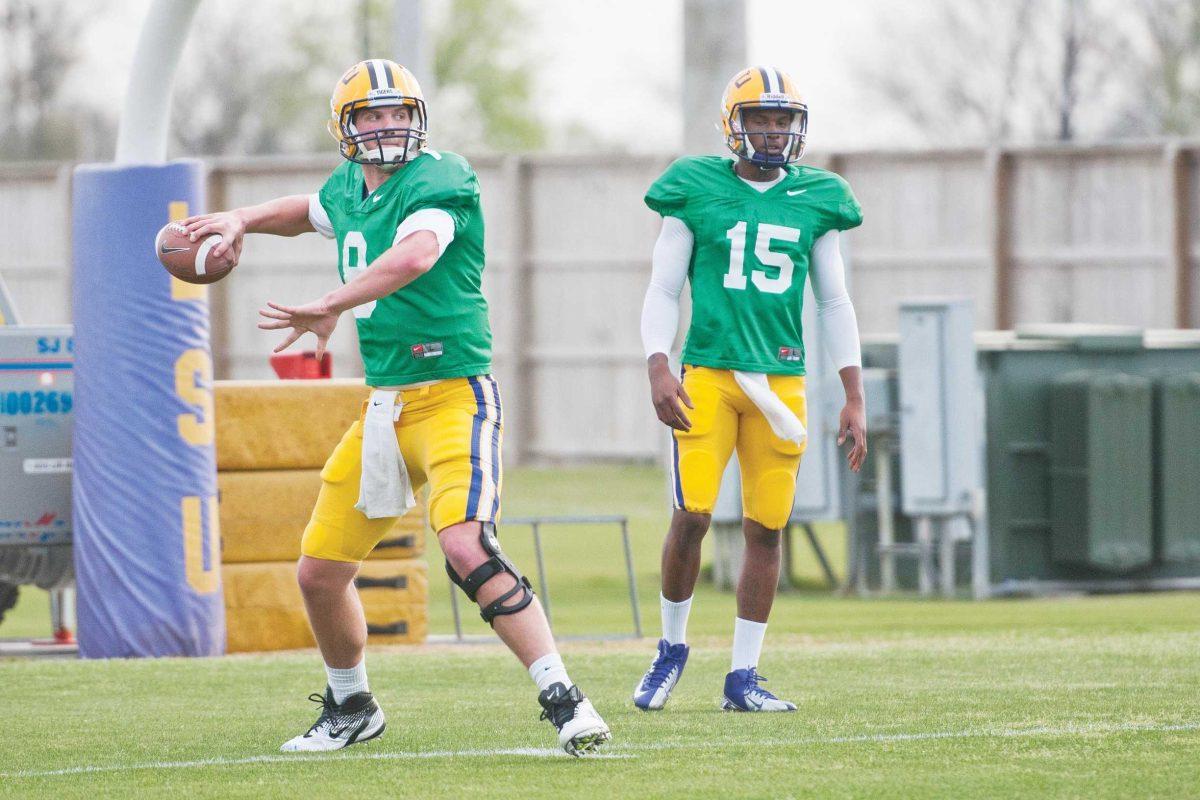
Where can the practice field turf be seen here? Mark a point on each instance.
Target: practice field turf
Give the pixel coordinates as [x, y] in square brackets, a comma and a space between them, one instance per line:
[1073, 697]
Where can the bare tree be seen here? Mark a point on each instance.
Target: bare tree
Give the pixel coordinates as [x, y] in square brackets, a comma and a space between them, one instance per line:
[484, 77]
[1024, 70]
[1068, 96]
[955, 78]
[39, 42]
[255, 78]
[1163, 49]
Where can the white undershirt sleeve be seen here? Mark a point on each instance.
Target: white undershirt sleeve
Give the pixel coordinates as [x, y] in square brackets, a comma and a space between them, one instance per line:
[318, 217]
[668, 273]
[438, 222]
[835, 312]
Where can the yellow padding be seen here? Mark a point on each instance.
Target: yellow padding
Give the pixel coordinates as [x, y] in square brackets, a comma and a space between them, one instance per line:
[283, 424]
[407, 538]
[263, 514]
[264, 609]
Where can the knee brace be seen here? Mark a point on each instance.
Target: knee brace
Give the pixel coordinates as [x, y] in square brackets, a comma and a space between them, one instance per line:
[496, 564]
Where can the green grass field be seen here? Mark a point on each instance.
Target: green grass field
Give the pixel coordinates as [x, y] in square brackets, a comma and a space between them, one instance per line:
[1075, 697]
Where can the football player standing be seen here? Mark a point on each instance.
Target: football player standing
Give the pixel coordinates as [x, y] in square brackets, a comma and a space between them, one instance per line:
[409, 232]
[746, 233]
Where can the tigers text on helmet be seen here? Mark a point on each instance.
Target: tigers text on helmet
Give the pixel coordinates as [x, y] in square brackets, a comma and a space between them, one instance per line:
[765, 88]
[375, 83]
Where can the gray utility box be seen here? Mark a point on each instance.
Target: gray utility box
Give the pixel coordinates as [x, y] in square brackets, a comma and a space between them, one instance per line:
[36, 402]
[939, 412]
[1091, 464]
[1088, 476]
[1178, 438]
[1101, 470]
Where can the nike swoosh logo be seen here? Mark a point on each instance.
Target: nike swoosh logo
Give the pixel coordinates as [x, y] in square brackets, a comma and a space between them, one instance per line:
[362, 726]
[164, 249]
[794, 192]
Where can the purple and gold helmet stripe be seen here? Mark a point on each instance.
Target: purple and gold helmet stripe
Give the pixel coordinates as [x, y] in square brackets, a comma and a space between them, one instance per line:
[765, 80]
[381, 77]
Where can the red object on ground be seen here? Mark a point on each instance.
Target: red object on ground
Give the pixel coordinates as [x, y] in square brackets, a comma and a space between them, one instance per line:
[302, 365]
[64, 636]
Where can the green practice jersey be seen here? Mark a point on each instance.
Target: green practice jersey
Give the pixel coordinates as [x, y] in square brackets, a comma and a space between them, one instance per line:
[750, 257]
[437, 326]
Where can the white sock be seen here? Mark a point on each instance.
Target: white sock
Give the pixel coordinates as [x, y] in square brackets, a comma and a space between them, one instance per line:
[549, 670]
[674, 619]
[747, 643]
[345, 682]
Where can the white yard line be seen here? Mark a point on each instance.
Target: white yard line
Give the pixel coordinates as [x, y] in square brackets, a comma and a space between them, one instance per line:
[982, 733]
[531, 752]
[621, 751]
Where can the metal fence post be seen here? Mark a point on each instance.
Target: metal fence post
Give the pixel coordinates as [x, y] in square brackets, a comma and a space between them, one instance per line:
[541, 567]
[633, 595]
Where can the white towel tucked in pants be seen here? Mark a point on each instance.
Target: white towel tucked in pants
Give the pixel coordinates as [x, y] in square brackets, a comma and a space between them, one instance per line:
[385, 489]
[784, 422]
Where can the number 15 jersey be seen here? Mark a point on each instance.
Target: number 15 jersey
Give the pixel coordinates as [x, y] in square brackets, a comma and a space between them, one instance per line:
[750, 257]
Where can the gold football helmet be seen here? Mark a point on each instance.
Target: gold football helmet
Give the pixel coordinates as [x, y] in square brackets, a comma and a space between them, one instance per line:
[763, 87]
[370, 84]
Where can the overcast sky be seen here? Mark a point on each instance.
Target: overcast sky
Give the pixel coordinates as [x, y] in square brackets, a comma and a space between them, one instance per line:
[623, 48]
[607, 62]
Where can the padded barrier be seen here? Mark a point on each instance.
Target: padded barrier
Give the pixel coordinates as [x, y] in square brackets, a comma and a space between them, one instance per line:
[264, 609]
[293, 424]
[264, 513]
[146, 543]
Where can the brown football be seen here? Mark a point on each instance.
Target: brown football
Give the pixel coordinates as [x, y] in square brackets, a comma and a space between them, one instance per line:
[189, 261]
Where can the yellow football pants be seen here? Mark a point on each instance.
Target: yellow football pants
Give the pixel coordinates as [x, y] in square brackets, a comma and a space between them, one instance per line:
[450, 435]
[724, 419]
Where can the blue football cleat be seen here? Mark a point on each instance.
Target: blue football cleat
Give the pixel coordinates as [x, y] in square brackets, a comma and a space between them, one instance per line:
[742, 693]
[655, 687]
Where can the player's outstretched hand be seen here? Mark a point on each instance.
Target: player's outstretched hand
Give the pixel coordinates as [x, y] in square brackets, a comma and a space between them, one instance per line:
[228, 224]
[313, 318]
[853, 425]
[668, 395]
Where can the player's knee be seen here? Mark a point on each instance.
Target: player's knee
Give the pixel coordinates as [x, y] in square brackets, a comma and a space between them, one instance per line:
[760, 537]
[320, 577]
[460, 544]
[691, 524]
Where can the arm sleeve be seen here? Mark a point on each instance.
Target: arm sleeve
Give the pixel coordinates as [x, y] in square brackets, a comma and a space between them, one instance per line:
[434, 220]
[835, 312]
[318, 217]
[660, 311]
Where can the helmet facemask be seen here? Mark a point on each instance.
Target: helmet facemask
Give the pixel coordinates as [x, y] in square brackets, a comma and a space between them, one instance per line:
[387, 148]
[795, 136]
